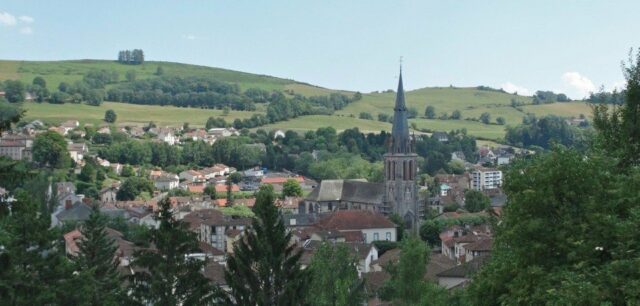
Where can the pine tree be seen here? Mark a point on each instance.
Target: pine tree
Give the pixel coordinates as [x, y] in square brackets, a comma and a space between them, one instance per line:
[168, 276]
[97, 262]
[334, 277]
[264, 268]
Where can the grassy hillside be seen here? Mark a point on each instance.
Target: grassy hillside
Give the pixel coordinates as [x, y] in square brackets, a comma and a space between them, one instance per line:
[128, 114]
[470, 101]
[55, 72]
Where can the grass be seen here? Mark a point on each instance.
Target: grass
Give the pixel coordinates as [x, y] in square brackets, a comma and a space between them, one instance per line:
[128, 114]
[470, 101]
[340, 123]
[55, 72]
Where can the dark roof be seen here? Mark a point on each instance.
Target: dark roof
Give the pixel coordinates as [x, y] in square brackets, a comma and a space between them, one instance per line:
[213, 217]
[465, 270]
[483, 245]
[400, 139]
[300, 219]
[215, 273]
[392, 255]
[359, 191]
[354, 220]
[209, 249]
[374, 280]
[438, 263]
[78, 212]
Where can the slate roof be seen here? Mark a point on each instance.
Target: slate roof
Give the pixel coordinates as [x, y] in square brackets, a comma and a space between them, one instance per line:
[215, 273]
[465, 270]
[354, 220]
[78, 212]
[483, 245]
[359, 191]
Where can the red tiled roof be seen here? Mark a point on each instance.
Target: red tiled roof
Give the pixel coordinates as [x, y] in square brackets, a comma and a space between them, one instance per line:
[223, 188]
[196, 188]
[354, 220]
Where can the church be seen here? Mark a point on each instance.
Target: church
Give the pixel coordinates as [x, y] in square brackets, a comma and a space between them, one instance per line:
[397, 194]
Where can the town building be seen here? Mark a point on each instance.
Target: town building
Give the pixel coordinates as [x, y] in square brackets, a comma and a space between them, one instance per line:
[16, 147]
[486, 178]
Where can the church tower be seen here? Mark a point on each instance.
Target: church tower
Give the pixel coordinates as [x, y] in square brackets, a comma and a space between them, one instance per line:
[401, 194]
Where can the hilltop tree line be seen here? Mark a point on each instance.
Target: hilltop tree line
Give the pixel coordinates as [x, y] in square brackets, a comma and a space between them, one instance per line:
[131, 57]
[546, 131]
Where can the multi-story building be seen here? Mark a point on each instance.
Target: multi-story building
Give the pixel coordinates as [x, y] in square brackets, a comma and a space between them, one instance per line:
[486, 178]
[16, 147]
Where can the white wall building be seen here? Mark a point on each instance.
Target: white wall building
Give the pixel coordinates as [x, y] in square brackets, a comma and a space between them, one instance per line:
[486, 178]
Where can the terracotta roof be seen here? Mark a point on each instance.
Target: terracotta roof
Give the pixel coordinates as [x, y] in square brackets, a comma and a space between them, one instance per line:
[223, 188]
[374, 280]
[392, 255]
[196, 188]
[250, 202]
[438, 263]
[354, 220]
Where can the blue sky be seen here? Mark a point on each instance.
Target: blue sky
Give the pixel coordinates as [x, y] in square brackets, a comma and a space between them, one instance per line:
[567, 46]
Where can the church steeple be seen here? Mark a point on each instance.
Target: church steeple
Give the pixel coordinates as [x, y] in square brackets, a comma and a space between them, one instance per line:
[400, 140]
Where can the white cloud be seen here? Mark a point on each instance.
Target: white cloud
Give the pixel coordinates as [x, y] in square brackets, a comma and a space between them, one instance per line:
[26, 30]
[189, 36]
[7, 19]
[578, 84]
[26, 19]
[619, 85]
[513, 88]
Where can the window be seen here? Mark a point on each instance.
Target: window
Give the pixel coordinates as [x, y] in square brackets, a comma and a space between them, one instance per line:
[364, 237]
[376, 236]
[388, 236]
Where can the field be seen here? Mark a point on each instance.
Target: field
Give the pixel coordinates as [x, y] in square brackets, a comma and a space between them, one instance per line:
[471, 102]
[338, 122]
[128, 114]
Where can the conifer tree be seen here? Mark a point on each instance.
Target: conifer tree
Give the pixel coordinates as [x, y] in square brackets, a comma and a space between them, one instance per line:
[97, 262]
[264, 268]
[334, 277]
[169, 276]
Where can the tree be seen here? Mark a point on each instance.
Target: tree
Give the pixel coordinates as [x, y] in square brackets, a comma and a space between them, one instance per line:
[132, 187]
[96, 261]
[430, 232]
[39, 81]
[291, 188]
[14, 91]
[110, 116]
[485, 118]
[50, 149]
[210, 190]
[9, 114]
[168, 276]
[430, 112]
[407, 285]
[159, 71]
[365, 116]
[226, 110]
[233, 178]
[475, 200]
[334, 277]
[412, 112]
[619, 129]
[501, 121]
[127, 171]
[130, 75]
[400, 226]
[94, 97]
[383, 117]
[456, 115]
[264, 268]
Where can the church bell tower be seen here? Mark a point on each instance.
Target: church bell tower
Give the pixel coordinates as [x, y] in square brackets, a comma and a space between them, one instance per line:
[400, 168]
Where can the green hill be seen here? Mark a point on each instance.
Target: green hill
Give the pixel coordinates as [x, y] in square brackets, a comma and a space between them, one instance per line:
[471, 102]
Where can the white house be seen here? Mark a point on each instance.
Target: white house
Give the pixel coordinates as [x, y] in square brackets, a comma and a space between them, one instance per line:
[372, 225]
[77, 151]
[191, 176]
[486, 178]
[166, 182]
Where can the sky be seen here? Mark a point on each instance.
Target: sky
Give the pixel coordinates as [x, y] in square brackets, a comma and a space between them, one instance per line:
[565, 46]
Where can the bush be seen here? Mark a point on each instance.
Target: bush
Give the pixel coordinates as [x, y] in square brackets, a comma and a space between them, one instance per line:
[365, 116]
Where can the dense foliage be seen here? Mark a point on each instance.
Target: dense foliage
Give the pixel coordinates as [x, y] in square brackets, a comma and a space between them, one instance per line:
[132, 57]
[264, 268]
[544, 132]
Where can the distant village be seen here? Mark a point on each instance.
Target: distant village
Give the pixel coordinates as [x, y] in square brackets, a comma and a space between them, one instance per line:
[331, 210]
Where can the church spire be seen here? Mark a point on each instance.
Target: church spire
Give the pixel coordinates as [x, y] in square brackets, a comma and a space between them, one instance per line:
[401, 142]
